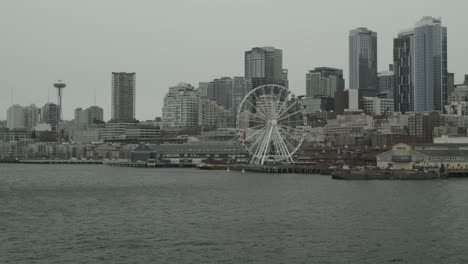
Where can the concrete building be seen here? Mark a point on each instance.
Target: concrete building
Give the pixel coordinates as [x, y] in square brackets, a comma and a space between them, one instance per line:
[363, 61]
[324, 82]
[264, 65]
[459, 94]
[212, 116]
[15, 117]
[312, 105]
[450, 84]
[92, 115]
[430, 65]
[385, 81]
[123, 96]
[403, 66]
[377, 106]
[220, 91]
[240, 88]
[202, 89]
[50, 114]
[32, 116]
[422, 125]
[180, 108]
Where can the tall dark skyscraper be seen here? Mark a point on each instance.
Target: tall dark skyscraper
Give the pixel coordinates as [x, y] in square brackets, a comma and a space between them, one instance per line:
[265, 66]
[403, 56]
[363, 61]
[123, 96]
[420, 64]
[430, 65]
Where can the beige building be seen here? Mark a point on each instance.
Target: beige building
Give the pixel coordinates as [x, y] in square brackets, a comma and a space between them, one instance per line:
[406, 157]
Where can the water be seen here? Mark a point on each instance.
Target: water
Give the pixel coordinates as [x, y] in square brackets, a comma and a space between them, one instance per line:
[98, 214]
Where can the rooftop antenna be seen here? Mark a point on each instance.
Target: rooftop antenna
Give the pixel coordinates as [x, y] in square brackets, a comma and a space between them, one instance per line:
[94, 95]
[48, 94]
[11, 95]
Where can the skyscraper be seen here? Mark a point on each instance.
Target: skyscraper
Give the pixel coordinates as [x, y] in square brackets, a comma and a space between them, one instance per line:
[265, 66]
[15, 117]
[403, 66]
[363, 61]
[32, 116]
[50, 112]
[240, 88]
[430, 65]
[123, 96]
[324, 82]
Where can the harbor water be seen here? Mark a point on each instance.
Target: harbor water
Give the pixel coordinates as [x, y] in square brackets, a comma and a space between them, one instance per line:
[100, 214]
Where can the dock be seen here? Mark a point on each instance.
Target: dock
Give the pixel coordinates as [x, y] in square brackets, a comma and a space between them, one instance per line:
[67, 162]
[145, 165]
[282, 168]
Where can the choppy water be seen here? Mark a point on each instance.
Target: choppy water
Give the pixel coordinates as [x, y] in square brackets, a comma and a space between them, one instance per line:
[97, 214]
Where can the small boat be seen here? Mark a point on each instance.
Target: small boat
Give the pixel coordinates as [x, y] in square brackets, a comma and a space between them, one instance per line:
[243, 171]
[227, 169]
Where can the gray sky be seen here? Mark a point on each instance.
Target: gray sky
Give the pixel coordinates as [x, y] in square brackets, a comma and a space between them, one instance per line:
[168, 41]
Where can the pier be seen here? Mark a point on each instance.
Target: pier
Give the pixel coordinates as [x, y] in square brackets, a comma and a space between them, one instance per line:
[145, 165]
[282, 168]
[71, 162]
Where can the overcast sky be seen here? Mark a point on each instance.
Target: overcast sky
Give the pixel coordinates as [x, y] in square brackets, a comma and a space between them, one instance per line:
[168, 41]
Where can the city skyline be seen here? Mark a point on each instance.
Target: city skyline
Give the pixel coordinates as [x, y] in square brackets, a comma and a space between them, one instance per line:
[160, 61]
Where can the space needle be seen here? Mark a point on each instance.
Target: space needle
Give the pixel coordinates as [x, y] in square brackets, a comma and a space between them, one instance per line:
[60, 86]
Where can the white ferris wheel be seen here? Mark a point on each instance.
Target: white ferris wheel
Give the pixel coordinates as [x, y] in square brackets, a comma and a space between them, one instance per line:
[271, 124]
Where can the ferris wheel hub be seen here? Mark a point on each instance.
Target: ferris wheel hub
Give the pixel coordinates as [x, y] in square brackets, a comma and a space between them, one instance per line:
[274, 122]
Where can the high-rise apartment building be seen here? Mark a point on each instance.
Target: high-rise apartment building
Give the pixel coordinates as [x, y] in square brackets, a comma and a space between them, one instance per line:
[220, 91]
[50, 114]
[92, 115]
[180, 108]
[324, 82]
[240, 88]
[264, 65]
[202, 89]
[123, 96]
[430, 65]
[403, 66]
[15, 117]
[363, 61]
[32, 116]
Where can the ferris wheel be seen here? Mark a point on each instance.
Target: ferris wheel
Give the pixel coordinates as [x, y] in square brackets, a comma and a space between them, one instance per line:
[271, 124]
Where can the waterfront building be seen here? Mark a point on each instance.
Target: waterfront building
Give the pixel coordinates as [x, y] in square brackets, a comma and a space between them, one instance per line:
[403, 65]
[363, 61]
[50, 114]
[430, 65]
[324, 82]
[15, 117]
[377, 106]
[180, 108]
[193, 153]
[264, 65]
[408, 157]
[123, 96]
